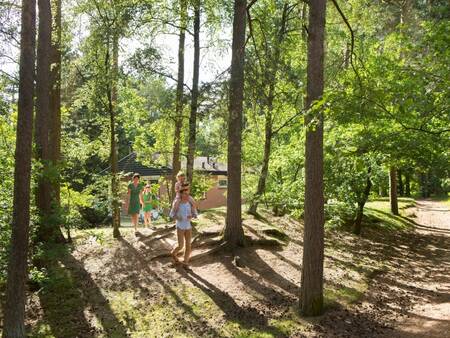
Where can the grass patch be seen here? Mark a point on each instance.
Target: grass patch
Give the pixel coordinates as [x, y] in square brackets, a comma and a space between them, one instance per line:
[291, 323]
[383, 204]
[343, 295]
[381, 219]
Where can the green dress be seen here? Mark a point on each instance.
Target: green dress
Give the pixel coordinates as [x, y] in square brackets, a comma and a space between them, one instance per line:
[148, 201]
[135, 205]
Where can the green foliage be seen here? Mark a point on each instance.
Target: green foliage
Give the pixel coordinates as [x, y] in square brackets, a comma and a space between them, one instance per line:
[7, 140]
[201, 183]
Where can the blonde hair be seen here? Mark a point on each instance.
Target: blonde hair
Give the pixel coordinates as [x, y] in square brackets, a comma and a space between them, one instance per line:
[180, 174]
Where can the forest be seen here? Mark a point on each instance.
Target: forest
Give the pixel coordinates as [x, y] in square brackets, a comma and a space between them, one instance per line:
[228, 168]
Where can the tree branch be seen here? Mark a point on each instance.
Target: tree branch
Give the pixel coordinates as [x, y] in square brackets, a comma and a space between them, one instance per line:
[352, 35]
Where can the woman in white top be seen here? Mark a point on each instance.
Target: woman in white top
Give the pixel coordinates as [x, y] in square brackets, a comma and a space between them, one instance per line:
[183, 212]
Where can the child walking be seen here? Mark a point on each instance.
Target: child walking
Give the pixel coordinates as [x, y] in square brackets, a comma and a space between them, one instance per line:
[183, 212]
[149, 201]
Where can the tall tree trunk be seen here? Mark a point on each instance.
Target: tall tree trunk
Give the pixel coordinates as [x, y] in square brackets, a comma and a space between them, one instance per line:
[14, 320]
[114, 156]
[176, 161]
[54, 146]
[361, 203]
[234, 234]
[408, 184]
[304, 21]
[401, 189]
[195, 93]
[406, 11]
[55, 104]
[393, 190]
[272, 69]
[382, 190]
[311, 298]
[43, 188]
[265, 166]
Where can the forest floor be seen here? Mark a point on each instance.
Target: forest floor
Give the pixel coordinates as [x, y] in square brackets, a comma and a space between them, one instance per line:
[392, 281]
[429, 314]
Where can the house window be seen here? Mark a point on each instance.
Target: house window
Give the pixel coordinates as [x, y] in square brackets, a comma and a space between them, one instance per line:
[223, 183]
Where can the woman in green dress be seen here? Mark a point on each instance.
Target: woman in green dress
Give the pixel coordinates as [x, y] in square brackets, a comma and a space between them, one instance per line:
[148, 199]
[135, 200]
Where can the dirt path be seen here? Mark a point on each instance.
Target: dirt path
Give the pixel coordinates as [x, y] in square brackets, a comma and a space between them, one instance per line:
[430, 316]
[392, 281]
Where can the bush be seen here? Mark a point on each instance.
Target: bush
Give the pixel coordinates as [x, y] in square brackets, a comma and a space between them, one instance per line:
[95, 215]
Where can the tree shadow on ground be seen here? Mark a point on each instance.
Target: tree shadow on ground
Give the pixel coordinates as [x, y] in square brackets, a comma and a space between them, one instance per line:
[247, 316]
[135, 260]
[70, 297]
[254, 262]
[275, 249]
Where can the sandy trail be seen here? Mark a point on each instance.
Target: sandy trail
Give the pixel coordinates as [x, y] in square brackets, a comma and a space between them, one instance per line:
[431, 318]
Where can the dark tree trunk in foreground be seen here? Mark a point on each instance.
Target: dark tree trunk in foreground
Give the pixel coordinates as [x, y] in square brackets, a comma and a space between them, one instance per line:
[42, 122]
[401, 190]
[407, 184]
[194, 100]
[176, 161]
[55, 105]
[234, 234]
[13, 325]
[365, 196]
[112, 101]
[393, 190]
[311, 298]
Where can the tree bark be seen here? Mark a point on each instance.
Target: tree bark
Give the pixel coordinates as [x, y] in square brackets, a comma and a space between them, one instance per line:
[401, 189]
[311, 298]
[14, 320]
[43, 188]
[176, 161]
[265, 166]
[55, 105]
[304, 20]
[407, 184]
[195, 93]
[234, 234]
[365, 196]
[114, 156]
[393, 190]
[406, 12]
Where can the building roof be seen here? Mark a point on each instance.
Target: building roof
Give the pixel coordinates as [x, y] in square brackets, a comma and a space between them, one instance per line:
[130, 164]
[208, 164]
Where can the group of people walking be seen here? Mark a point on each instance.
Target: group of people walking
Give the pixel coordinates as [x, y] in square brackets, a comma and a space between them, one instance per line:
[183, 210]
[140, 197]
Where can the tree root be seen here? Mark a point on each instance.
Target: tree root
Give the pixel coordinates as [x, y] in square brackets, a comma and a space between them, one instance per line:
[203, 235]
[266, 242]
[194, 244]
[278, 234]
[163, 255]
[211, 251]
[151, 239]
